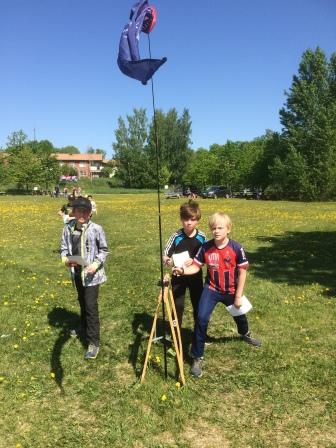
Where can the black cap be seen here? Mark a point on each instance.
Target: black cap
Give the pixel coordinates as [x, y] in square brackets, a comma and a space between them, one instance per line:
[82, 203]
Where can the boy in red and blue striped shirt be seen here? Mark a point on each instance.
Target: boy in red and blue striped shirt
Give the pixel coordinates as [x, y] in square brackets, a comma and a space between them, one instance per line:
[226, 275]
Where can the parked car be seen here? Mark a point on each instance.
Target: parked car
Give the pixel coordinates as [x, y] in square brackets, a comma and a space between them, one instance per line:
[174, 194]
[216, 191]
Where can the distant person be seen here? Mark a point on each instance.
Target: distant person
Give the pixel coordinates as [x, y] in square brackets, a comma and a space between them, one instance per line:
[187, 239]
[65, 213]
[86, 240]
[226, 275]
[93, 204]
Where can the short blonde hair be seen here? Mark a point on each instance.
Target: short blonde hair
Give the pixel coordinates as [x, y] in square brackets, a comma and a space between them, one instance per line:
[220, 218]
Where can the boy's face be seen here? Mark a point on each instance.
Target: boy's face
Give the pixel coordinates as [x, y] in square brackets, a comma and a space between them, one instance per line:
[82, 215]
[189, 224]
[220, 231]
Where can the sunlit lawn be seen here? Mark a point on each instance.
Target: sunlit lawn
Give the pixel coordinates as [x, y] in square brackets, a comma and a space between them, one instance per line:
[282, 395]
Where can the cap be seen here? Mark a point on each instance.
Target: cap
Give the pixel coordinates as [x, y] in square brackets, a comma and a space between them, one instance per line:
[82, 203]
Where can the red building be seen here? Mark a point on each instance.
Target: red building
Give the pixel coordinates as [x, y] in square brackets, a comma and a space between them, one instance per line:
[87, 165]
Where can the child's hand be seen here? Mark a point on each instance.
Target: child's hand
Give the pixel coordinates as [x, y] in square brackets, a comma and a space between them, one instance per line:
[71, 264]
[167, 261]
[188, 262]
[237, 302]
[178, 271]
[91, 269]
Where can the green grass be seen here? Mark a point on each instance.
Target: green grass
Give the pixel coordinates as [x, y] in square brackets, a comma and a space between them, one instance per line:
[282, 395]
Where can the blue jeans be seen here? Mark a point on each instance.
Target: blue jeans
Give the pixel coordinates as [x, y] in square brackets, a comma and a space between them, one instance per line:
[208, 301]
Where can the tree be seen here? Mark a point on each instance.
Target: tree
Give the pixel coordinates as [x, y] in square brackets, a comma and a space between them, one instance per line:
[3, 168]
[172, 134]
[50, 172]
[309, 123]
[24, 168]
[68, 150]
[200, 168]
[16, 140]
[91, 150]
[130, 149]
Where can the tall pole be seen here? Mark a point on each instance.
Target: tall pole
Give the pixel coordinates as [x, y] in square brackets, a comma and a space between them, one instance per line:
[158, 163]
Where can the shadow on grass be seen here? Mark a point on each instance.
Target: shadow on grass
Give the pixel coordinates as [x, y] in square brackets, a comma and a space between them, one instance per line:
[141, 327]
[297, 258]
[64, 320]
[222, 339]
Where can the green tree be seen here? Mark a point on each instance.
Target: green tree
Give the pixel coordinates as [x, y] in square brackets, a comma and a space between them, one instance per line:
[50, 172]
[172, 135]
[91, 150]
[24, 168]
[200, 168]
[4, 178]
[68, 150]
[309, 124]
[130, 149]
[16, 140]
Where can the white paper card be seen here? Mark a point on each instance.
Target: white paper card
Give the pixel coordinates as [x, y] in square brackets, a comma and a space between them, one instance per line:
[180, 259]
[77, 259]
[245, 308]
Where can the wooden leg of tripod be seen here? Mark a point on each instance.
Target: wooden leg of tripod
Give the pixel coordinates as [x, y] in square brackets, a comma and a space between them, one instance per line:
[177, 327]
[175, 330]
[150, 341]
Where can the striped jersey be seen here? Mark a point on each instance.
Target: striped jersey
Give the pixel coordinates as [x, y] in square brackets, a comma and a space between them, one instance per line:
[222, 264]
[180, 242]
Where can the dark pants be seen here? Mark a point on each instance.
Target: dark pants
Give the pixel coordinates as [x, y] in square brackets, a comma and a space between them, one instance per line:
[88, 302]
[209, 300]
[179, 286]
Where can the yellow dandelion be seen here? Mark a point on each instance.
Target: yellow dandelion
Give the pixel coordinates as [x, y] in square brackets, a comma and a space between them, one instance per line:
[52, 374]
[178, 385]
[307, 338]
[158, 359]
[164, 397]
[15, 346]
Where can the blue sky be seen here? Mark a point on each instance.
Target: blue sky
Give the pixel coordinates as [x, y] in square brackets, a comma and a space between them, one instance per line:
[229, 63]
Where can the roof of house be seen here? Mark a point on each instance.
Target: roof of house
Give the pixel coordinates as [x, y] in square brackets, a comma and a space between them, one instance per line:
[78, 157]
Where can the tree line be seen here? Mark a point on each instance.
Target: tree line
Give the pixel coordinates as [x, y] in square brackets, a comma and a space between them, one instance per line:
[297, 163]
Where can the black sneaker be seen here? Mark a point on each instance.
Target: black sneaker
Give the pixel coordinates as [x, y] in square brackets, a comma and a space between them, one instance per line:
[252, 341]
[92, 352]
[196, 368]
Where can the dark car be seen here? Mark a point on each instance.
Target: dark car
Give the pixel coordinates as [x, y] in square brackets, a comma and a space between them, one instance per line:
[216, 191]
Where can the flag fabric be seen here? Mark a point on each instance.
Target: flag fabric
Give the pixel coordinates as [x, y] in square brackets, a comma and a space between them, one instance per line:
[142, 19]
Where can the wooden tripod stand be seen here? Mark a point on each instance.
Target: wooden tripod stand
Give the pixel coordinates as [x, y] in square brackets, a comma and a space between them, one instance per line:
[169, 304]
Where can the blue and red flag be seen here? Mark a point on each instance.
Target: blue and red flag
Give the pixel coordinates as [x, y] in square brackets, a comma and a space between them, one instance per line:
[142, 19]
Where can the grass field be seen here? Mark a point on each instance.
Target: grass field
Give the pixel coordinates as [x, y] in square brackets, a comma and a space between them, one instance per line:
[282, 395]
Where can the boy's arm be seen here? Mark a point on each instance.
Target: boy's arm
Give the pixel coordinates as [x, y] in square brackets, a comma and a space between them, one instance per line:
[102, 253]
[188, 270]
[240, 287]
[64, 250]
[103, 249]
[168, 250]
